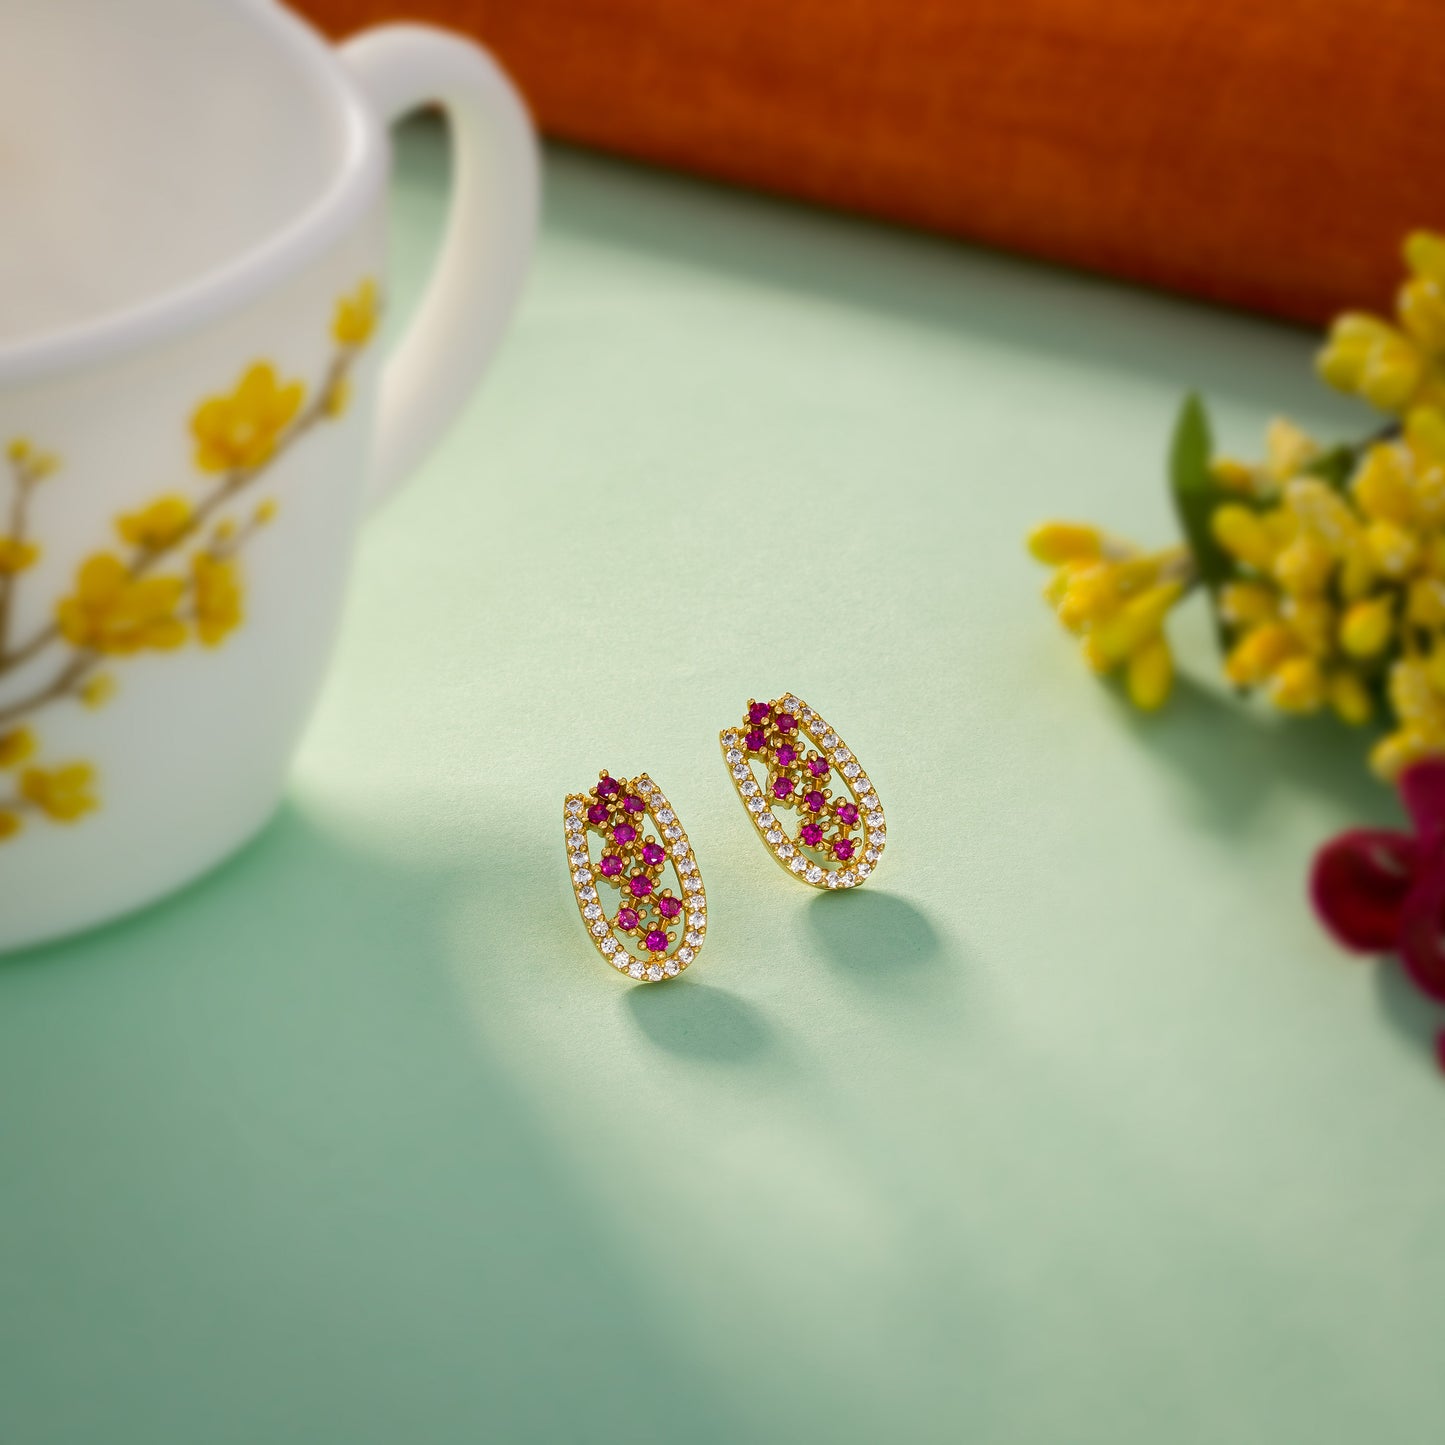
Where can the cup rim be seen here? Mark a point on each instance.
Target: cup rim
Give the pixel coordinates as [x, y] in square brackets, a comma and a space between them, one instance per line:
[251, 272]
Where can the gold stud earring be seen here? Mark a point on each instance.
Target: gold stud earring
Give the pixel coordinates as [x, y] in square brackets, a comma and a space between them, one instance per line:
[807, 795]
[644, 925]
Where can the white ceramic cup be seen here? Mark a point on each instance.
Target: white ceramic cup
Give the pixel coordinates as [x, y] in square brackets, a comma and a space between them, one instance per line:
[193, 416]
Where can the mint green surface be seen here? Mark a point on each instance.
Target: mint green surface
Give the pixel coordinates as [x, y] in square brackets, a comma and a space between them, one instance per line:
[1070, 1127]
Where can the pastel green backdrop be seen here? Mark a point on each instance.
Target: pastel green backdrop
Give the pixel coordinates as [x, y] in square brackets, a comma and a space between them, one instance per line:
[1069, 1127]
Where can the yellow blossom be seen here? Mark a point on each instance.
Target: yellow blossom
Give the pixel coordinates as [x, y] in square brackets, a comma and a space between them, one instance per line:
[1350, 698]
[19, 449]
[241, 431]
[1149, 674]
[266, 512]
[1241, 603]
[1369, 358]
[16, 747]
[164, 522]
[1288, 451]
[1115, 597]
[113, 611]
[218, 597]
[1054, 543]
[1256, 654]
[1244, 535]
[16, 556]
[1367, 627]
[98, 690]
[9, 824]
[356, 315]
[1298, 685]
[62, 794]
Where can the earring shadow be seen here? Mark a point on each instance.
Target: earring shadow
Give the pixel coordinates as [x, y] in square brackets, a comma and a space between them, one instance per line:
[874, 936]
[697, 1021]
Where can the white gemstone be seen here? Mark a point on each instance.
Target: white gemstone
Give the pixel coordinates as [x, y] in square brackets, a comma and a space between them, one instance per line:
[850, 770]
[671, 968]
[864, 869]
[750, 790]
[798, 865]
[637, 969]
[667, 816]
[830, 740]
[834, 881]
[875, 820]
[574, 825]
[774, 835]
[687, 865]
[679, 850]
[862, 785]
[842, 755]
[734, 756]
[600, 928]
[693, 937]
[740, 770]
[871, 854]
[671, 833]
[655, 973]
[580, 859]
[574, 805]
[847, 879]
[878, 839]
[686, 955]
[609, 946]
[593, 910]
[756, 805]
[644, 786]
[786, 851]
[588, 893]
[789, 704]
[814, 874]
[730, 738]
[693, 884]
[582, 875]
[766, 820]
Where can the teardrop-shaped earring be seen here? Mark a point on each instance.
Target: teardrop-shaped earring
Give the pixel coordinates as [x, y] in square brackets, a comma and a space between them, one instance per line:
[641, 895]
[807, 795]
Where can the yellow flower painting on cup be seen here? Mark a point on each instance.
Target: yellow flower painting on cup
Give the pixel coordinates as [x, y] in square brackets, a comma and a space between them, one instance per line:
[170, 577]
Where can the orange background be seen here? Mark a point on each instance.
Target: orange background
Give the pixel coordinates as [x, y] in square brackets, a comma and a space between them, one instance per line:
[1268, 156]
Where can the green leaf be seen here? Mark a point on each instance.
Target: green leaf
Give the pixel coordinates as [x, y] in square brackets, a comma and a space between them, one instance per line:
[1195, 493]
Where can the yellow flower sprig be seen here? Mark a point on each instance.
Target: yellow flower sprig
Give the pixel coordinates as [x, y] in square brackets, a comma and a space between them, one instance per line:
[1325, 567]
[1115, 597]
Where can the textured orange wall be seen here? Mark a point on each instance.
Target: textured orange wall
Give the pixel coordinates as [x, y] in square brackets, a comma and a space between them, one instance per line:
[1268, 155]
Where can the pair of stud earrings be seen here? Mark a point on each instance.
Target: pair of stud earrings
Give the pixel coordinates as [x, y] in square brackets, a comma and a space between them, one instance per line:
[807, 795]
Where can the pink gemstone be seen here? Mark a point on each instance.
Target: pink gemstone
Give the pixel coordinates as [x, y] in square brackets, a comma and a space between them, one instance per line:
[611, 865]
[818, 767]
[669, 907]
[843, 848]
[656, 941]
[623, 833]
[786, 722]
[814, 800]
[787, 755]
[652, 854]
[640, 885]
[782, 787]
[755, 739]
[633, 805]
[606, 787]
[757, 712]
[627, 918]
[847, 814]
[811, 834]
[597, 813]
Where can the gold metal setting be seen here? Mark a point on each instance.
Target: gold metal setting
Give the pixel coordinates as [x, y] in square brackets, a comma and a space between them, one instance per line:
[656, 929]
[807, 795]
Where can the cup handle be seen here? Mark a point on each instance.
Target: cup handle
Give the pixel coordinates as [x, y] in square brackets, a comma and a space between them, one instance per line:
[490, 230]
